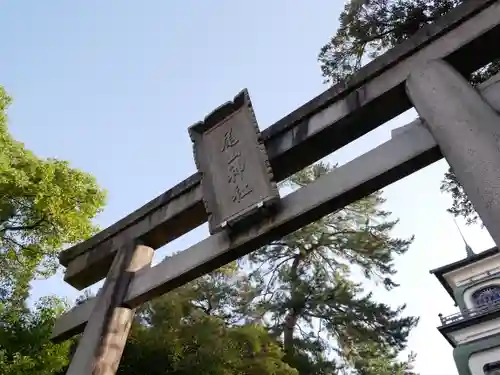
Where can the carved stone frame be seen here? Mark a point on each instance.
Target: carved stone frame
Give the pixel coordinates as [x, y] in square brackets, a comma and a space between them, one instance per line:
[196, 131]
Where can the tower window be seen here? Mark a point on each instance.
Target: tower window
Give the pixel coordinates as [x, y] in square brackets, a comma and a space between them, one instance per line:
[492, 368]
[487, 295]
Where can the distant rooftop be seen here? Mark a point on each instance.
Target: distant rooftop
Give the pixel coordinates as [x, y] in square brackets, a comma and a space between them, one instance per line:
[439, 272]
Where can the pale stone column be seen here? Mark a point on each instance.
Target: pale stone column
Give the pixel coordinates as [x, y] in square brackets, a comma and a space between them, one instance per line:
[101, 346]
[467, 131]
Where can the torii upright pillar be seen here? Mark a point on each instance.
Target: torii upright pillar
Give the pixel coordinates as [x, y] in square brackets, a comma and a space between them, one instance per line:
[104, 338]
[467, 130]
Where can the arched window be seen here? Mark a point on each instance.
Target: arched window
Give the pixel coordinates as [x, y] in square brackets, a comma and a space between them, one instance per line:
[487, 295]
[492, 368]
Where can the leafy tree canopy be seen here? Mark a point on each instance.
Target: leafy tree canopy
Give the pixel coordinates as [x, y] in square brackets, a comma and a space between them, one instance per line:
[25, 348]
[191, 331]
[44, 205]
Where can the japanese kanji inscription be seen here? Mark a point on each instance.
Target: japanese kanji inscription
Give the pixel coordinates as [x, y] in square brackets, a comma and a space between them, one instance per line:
[237, 179]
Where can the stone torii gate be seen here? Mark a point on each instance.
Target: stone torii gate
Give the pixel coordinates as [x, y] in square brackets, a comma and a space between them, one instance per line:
[238, 166]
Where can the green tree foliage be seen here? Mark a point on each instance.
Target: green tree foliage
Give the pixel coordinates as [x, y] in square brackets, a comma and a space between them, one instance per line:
[44, 205]
[461, 205]
[25, 348]
[191, 331]
[194, 329]
[309, 290]
[367, 29]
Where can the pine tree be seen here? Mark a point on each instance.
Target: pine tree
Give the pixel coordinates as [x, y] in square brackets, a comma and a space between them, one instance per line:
[310, 294]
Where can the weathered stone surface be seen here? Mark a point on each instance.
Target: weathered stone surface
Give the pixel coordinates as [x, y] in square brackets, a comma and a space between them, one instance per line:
[100, 348]
[467, 130]
[330, 121]
[237, 179]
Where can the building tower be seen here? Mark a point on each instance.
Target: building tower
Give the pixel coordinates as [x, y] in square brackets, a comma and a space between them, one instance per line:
[474, 332]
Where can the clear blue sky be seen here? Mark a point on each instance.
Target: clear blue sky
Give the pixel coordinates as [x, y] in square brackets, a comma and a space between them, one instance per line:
[112, 87]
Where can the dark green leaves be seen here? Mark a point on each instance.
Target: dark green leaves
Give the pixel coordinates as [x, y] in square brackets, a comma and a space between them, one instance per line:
[370, 27]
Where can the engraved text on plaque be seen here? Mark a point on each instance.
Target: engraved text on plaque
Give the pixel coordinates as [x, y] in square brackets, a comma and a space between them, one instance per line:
[237, 179]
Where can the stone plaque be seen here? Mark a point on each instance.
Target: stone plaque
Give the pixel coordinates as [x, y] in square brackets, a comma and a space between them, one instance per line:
[237, 179]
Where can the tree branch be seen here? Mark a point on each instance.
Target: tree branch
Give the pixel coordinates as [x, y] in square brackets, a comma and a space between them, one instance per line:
[22, 227]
